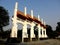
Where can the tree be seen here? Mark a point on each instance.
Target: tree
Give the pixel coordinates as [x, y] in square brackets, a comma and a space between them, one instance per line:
[49, 31]
[58, 28]
[4, 18]
[6, 34]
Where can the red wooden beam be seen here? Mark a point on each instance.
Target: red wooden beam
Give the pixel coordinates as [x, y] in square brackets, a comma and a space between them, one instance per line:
[28, 17]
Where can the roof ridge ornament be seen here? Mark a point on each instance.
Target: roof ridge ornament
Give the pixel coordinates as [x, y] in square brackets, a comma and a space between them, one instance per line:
[25, 11]
[32, 13]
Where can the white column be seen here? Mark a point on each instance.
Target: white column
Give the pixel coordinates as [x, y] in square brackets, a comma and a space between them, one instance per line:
[14, 28]
[45, 33]
[42, 29]
[45, 29]
[25, 11]
[32, 13]
[38, 17]
[24, 31]
[32, 31]
[32, 28]
[39, 34]
[42, 33]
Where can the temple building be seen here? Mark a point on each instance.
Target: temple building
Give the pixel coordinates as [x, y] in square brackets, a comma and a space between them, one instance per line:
[27, 19]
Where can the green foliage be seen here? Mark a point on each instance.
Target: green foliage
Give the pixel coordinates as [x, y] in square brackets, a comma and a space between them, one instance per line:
[50, 32]
[58, 28]
[4, 17]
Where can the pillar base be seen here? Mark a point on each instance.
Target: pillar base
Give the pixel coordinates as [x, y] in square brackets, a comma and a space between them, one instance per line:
[26, 40]
[45, 36]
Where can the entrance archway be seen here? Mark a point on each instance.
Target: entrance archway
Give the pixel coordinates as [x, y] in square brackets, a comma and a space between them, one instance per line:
[26, 19]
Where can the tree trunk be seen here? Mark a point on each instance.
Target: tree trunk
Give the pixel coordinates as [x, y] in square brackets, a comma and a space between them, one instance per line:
[1, 28]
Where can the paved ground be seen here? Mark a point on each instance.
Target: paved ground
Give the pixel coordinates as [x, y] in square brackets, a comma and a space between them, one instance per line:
[42, 42]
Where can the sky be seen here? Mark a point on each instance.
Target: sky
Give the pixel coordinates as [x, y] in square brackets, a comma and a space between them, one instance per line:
[49, 10]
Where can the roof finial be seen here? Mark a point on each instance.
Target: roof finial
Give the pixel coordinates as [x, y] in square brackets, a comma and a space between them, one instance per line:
[25, 10]
[32, 13]
[38, 17]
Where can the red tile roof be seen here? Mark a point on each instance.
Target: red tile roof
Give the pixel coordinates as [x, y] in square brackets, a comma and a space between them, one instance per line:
[28, 17]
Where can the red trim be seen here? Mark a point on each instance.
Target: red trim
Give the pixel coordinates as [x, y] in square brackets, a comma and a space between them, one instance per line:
[28, 17]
